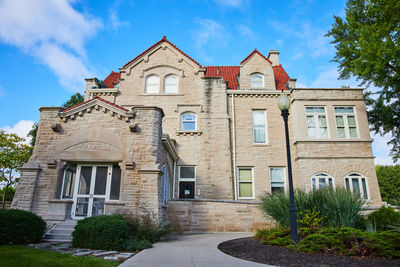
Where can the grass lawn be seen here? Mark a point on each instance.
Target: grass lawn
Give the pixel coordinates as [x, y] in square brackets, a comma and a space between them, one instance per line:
[24, 256]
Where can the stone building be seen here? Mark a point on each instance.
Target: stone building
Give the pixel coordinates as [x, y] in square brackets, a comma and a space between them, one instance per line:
[196, 144]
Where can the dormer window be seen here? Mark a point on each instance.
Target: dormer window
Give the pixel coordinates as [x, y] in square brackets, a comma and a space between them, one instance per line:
[171, 84]
[152, 84]
[257, 80]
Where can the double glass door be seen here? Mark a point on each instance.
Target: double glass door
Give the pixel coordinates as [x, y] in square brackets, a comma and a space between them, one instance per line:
[91, 189]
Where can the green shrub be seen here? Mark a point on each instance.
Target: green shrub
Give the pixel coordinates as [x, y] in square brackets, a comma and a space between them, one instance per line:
[384, 217]
[340, 241]
[147, 226]
[339, 207]
[310, 218]
[134, 244]
[107, 232]
[20, 227]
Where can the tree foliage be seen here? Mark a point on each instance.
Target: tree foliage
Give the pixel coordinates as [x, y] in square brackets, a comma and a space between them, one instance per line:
[368, 47]
[13, 154]
[74, 100]
[389, 183]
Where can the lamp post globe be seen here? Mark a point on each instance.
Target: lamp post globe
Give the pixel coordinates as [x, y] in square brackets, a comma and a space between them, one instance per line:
[284, 105]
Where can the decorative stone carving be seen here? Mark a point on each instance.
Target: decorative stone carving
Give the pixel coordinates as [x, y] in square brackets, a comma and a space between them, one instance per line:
[56, 127]
[134, 127]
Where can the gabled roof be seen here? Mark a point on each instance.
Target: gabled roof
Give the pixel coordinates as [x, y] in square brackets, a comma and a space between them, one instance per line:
[228, 73]
[281, 77]
[92, 100]
[111, 79]
[164, 39]
[255, 51]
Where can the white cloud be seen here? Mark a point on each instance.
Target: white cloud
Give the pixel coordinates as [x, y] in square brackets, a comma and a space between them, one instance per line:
[53, 32]
[209, 33]
[230, 3]
[306, 38]
[21, 128]
[114, 20]
[381, 149]
[247, 32]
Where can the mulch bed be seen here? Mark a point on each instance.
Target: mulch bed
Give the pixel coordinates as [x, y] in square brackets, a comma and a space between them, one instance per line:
[252, 250]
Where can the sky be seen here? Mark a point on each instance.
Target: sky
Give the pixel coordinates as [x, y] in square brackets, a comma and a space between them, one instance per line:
[48, 48]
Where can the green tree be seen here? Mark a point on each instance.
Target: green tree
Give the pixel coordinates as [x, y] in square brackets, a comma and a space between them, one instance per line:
[389, 183]
[368, 47]
[13, 154]
[72, 101]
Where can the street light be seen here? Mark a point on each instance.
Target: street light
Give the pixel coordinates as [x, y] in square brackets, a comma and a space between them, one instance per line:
[284, 105]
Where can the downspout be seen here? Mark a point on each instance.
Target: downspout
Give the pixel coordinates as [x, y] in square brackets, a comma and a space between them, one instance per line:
[173, 184]
[234, 147]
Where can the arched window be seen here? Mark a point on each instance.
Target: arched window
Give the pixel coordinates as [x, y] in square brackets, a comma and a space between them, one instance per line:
[188, 122]
[152, 84]
[321, 180]
[165, 186]
[171, 84]
[357, 184]
[257, 80]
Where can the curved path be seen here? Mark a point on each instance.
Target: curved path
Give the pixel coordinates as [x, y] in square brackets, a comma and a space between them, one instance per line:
[190, 250]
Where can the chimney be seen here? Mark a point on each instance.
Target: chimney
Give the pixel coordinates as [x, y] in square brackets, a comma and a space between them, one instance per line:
[273, 56]
[292, 83]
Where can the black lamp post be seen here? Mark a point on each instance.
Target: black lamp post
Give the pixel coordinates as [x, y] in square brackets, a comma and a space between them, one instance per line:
[284, 105]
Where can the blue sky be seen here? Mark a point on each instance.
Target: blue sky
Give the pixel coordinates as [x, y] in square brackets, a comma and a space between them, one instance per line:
[47, 49]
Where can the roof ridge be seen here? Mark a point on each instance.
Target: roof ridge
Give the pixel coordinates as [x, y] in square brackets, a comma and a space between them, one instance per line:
[258, 52]
[96, 98]
[163, 39]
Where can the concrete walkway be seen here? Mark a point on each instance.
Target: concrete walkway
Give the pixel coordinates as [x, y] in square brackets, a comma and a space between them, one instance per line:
[190, 250]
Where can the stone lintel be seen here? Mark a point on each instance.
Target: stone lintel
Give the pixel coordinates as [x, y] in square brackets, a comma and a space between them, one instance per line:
[330, 141]
[150, 172]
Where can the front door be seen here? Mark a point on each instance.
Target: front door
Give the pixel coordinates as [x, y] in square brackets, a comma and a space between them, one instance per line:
[91, 189]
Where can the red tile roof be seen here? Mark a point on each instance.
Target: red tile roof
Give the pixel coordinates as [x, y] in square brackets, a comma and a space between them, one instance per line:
[164, 39]
[111, 79]
[228, 73]
[255, 51]
[98, 98]
[281, 77]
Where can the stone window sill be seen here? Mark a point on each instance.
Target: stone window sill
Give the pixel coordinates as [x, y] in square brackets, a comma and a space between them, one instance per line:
[197, 132]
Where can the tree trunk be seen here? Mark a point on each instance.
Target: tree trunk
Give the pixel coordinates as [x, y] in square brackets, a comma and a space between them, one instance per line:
[4, 196]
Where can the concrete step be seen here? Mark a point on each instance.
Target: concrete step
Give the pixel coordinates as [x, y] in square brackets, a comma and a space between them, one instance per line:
[64, 227]
[61, 231]
[51, 237]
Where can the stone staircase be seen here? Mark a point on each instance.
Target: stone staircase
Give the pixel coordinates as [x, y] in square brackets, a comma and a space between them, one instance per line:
[61, 232]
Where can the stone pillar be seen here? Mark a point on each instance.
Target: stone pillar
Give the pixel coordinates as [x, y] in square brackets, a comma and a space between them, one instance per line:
[25, 194]
[150, 191]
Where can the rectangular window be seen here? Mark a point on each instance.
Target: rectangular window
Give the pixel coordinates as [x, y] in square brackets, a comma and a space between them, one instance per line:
[115, 182]
[357, 184]
[187, 179]
[346, 125]
[68, 183]
[317, 126]
[245, 183]
[277, 177]
[259, 126]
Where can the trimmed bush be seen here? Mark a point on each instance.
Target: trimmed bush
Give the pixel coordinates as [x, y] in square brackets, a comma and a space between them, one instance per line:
[107, 232]
[339, 207]
[339, 241]
[384, 217]
[20, 227]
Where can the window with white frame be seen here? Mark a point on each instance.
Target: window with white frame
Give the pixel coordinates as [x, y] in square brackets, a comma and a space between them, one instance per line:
[259, 127]
[245, 182]
[346, 125]
[277, 177]
[187, 180]
[357, 184]
[171, 84]
[152, 84]
[165, 186]
[317, 126]
[257, 80]
[67, 187]
[188, 121]
[321, 180]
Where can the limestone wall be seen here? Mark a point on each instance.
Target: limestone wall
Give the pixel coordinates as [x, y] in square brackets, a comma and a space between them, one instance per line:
[217, 216]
